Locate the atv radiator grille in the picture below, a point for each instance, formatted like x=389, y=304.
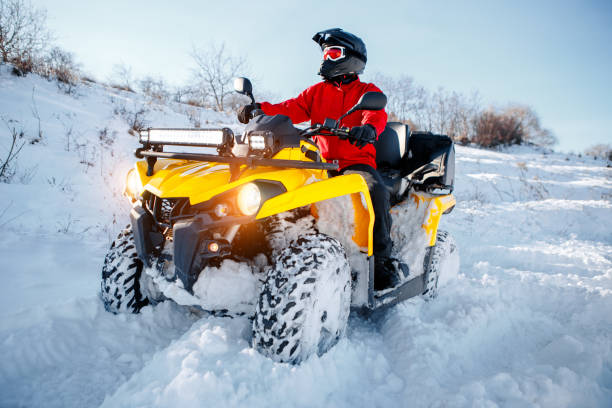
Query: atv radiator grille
x=161, y=209
x=165, y=210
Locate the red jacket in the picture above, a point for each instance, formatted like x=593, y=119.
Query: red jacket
x=327, y=100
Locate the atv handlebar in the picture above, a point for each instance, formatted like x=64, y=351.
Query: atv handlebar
x=324, y=129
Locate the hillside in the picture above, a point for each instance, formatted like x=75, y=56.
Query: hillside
x=526, y=323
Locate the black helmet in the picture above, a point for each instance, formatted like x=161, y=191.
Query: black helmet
x=353, y=59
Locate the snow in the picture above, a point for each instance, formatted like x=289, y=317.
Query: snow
x=232, y=286
x=526, y=322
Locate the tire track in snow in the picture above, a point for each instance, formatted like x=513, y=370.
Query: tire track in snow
x=76, y=352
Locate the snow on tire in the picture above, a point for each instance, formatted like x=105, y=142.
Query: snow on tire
x=441, y=260
x=121, y=276
x=304, y=303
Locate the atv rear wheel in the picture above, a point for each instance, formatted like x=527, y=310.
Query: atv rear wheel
x=125, y=287
x=304, y=304
x=435, y=262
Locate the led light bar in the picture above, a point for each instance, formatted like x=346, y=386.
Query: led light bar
x=188, y=137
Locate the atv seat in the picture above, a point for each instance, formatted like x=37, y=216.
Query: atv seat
x=421, y=159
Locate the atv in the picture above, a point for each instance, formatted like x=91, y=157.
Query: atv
x=254, y=225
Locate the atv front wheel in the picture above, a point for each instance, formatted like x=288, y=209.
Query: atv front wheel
x=124, y=285
x=435, y=262
x=304, y=304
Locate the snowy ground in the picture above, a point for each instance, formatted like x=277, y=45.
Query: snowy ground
x=528, y=322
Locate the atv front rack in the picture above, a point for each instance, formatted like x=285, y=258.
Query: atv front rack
x=152, y=157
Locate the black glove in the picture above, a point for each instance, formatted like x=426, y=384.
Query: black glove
x=244, y=112
x=362, y=135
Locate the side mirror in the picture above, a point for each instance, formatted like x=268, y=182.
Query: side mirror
x=371, y=101
x=243, y=86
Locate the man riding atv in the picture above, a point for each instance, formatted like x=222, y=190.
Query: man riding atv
x=344, y=58
x=254, y=225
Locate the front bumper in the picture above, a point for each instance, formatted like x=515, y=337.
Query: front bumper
x=192, y=238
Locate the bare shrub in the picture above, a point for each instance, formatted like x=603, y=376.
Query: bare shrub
x=494, y=129
x=193, y=102
x=87, y=154
x=122, y=77
x=8, y=165
x=34, y=109
x=600, y=151
x=60, y=65
x=514, y=125
x=23, y=32
x=106, y=137
x=23, y=65
x=154, y=88
x=136, y=116
x=215, y=69
x=137, y=119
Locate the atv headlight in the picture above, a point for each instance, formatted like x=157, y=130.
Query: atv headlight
x=249, y=199
x=260, y=141
x=257, y=142
x=133, y=186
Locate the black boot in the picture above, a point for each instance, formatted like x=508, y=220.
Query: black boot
x=389, y=272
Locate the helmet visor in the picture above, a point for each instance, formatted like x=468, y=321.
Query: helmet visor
x=334, y=53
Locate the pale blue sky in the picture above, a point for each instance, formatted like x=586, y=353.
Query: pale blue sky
x=555, y=56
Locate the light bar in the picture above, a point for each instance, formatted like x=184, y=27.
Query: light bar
x=188, y=137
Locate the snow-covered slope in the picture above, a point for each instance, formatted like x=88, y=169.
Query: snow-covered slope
x=527, y=322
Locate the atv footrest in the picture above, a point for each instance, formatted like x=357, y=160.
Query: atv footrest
x=408, y=289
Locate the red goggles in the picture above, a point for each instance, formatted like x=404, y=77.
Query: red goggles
x=333, y=53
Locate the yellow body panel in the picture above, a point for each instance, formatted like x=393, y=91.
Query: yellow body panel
x=201, y=181
x=339, y=186
x=364, y=222
x=435, y=207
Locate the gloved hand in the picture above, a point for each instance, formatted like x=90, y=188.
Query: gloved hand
x=362, y=135
x=244, y=112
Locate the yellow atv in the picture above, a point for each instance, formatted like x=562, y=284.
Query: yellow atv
x=253, y=225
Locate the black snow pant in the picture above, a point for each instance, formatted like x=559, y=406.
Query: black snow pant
x=380, y=201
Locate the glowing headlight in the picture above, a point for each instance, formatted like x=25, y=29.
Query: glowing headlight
x=249, y=199
x=133, y=186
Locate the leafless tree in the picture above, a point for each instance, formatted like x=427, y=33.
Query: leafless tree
x=213, y=74
x=122, y=77
x=23, y=31
x=531, y=126
x=405, y=100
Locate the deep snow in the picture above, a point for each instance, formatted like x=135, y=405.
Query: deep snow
x=526, y=323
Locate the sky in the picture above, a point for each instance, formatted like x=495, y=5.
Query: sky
x=555, y=56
